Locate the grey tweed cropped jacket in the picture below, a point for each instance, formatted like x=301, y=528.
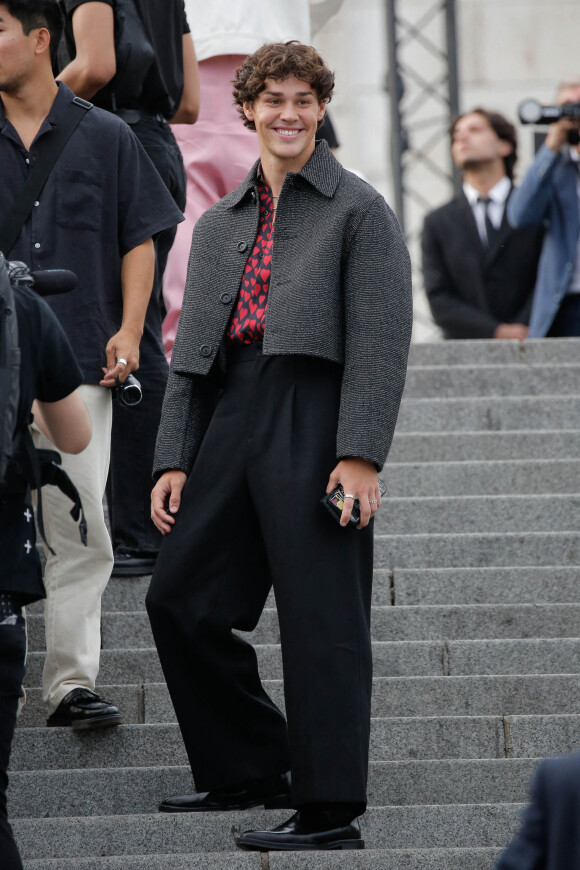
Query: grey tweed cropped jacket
x=340, y=289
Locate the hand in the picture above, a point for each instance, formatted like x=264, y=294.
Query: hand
x=511, y=330
x=167, y=494
x=558, y=133
x=359, y=478
x=124, y=345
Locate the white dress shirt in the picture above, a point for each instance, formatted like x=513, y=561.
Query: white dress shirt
x=498, y=197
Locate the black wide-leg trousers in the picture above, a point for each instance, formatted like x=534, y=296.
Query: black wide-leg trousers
x=251, y=518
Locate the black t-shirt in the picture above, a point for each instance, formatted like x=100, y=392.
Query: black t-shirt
x=48, y=372
x=165, y=22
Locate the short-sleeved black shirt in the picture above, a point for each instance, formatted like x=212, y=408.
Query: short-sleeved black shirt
x=48, y=372
x=164, y=22
x=103, y=198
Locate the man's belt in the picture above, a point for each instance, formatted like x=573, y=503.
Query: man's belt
x=133, y=116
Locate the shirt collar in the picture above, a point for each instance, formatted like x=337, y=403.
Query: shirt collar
x=498, y=193
x=57, y=111
x=322, y=171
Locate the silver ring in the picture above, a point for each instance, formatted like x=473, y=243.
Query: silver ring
x=349, y=495
x=373, y=501
x=121, y=360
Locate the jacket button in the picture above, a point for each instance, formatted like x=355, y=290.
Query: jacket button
x=242, y=246
x=226, y=298
x=205, y=350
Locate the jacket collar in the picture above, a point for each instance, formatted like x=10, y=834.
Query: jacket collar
x=322, y=172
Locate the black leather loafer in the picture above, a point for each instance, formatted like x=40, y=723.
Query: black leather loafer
x=273, y=792
x=126, y=565
x=297, y=835
x=84, y=710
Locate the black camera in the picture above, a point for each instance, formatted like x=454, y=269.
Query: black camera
x=128, y=393
x=533, y=112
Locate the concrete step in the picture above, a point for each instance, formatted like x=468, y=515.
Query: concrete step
x=477, y=478
x=477, y=550
x=391, y=659
x=378, y=859
x=469, y=514
x=412, y=738
x=489, y=413
x=131, y=790
x=468, y=446
x=392, y=697
x=443, y=382
x=445, y=586
x=554, y=351
x=484, y=825
x=432, y=622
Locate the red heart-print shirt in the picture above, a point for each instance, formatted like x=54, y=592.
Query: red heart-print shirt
x=249, y=315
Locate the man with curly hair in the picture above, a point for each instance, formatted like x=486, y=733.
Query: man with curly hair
x=285, y=382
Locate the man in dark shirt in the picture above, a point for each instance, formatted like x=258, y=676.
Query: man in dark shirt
x=48, y=372
x=170, y=91
x=479, y=272
x=96, y=216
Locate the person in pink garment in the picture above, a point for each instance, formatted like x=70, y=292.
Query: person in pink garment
x=217, y=150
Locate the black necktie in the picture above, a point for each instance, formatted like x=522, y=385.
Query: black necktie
x=490, y=230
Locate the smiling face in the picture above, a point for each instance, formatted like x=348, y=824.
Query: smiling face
x=286, y=115
x=475, y=143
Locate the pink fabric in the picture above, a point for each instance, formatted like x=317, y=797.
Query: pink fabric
x=218, y=152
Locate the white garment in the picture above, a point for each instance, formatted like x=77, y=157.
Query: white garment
x=574, y=285
x=242, y=26
x=498, y=197
x=76, y=577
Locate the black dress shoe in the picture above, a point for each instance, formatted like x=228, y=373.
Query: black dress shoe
x=127, y=565
x=272, y=792
x=84, y=710
x=301, y=833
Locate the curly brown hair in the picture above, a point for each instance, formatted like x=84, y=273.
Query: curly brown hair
x=279, y=61
x=502, y=128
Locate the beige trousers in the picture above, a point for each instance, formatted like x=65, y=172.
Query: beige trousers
x=76, y=577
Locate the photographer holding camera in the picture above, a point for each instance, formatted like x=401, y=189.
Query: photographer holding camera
x=550, y=196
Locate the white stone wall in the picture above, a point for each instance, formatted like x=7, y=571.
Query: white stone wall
x=508, y=50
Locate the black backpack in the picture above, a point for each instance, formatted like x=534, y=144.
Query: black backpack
x=21, y=464
x=133, y=52
x=9, y=369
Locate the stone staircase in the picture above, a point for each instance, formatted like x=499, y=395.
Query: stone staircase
x=476, y=629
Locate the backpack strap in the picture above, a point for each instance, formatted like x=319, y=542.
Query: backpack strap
x=15, y=220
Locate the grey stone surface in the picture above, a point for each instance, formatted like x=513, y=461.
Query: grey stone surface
x=202, y=861
x=130, y=790
x=491, y=380
x=476, y=478
x=528, y=585
x=529, y=656
x=437, y=737
x=392, y=859
x=477, y=550
x=483, y=825
x=489, y=413
x=472, y=514
x=489, y=352
x=533, y=736
x=469, y=446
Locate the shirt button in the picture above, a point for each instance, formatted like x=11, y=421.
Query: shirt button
x=242, y=246
x=226, y=298
x=37, y=244
x=205, y=350
x=37, y=203
x=27, y=160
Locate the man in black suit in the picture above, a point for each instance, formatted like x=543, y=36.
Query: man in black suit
x=550, y=832
x=479, y=272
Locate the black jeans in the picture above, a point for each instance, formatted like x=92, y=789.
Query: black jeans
x=135, y=429
x=251, y=518
x=12, y=655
